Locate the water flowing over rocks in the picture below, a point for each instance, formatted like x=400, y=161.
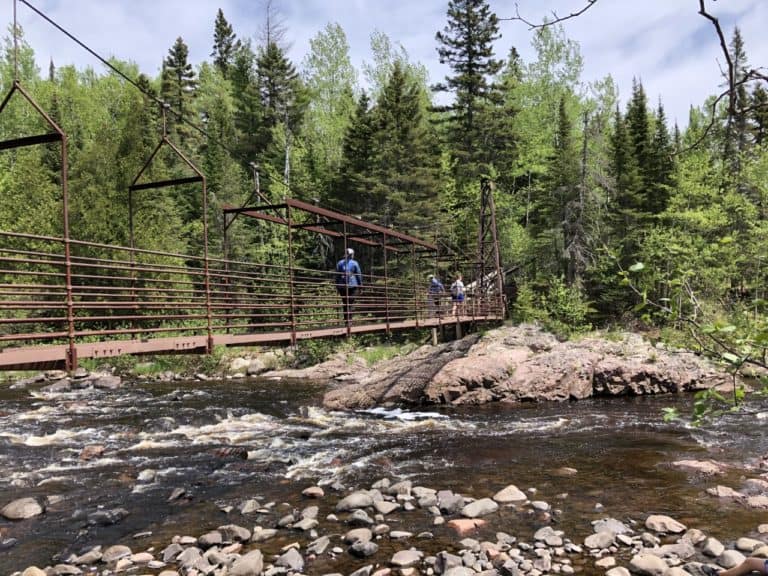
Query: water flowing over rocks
x=521, y=364
x=665, y=548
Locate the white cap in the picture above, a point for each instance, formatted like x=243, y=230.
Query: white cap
x=350, y=252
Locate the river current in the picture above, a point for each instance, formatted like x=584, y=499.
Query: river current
x=171, y=460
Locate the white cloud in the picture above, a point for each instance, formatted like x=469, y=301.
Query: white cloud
x=667, y=44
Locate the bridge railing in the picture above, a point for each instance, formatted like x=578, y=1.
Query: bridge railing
x=173, y=301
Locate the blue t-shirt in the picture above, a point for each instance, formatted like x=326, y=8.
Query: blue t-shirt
x=348, y=273
x=435, y=286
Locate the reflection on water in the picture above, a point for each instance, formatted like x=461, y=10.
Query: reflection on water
x=160, y=437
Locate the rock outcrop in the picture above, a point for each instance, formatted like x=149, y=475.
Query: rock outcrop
x=524, y=364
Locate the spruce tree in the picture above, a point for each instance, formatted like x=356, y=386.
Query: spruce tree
x=639, y=132
x=662, y=171
x=759, y=115
x=225, y=44
x=466, y=45
x=177, y=86
x=349, y=191
x=627, y=183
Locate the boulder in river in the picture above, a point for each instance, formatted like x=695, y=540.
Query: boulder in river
x=21, y=509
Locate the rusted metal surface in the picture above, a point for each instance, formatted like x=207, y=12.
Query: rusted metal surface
x=121, y=300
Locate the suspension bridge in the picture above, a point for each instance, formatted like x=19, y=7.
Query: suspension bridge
x=63, y=299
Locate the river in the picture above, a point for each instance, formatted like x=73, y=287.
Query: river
x=621, y=450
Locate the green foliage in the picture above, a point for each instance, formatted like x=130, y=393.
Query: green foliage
x=560, y=308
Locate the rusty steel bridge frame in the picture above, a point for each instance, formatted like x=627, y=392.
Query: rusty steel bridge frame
x=63, y=299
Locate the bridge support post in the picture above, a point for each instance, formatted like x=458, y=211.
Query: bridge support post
x=434, y=336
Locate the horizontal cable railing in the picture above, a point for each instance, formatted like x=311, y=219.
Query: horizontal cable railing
x=119, y=293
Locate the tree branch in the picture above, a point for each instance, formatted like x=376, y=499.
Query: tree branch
x=532, y=26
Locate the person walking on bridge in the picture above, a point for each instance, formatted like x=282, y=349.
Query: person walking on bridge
x=349, y=279
x=435, y=292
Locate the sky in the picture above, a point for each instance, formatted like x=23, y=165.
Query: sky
x=666, y=44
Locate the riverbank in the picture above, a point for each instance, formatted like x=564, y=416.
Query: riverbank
x=364, y=529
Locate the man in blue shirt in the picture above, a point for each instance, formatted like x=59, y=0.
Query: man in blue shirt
x=349, y=279
x=436, y=291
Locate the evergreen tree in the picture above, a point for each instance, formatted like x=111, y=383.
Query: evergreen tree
x=662, y=167
x=283, y=103
x=466, y=45
x=402, y=178
x=248, y=108
x=225, y=44
x=626, y=184
x=358, y=151
x=177, y=87
x=639, y=132
x=736, y=122
x=759, y=115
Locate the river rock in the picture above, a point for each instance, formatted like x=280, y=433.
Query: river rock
x=319, y=545
x=478, y=508
x=510, y=494
x=618, y=571
x=611, y=525
x=708, y=467
x=730, y=558
x=406, y=558
x=21, y=509
x=107, y=382
x=364, y=534
x=115, y=553
x=33, y=571
x=712, y=547
x=600, y=540
x=292, y=560
x=757, y=501
x=463, y=526
x=250, y=564
x=748, y=544
x=549, y=536
x=262, y=534
x=505, y=365
x=647, y=565
x=363, y=549
x=359, y=499
x=234, y=533
x=449, y=503
x=384, y=507
x=313, y=492
x=665, y=524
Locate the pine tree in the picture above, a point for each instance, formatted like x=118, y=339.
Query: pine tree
x=283, y=103
x=248, y=108
x=356, y=163
x=627, y=183
x=662, y=180
x=759, y=115
x=736, y=123
x=177, y=87
x=639, y=131
x=225, y=44
x=466, y=45
x=401, y=181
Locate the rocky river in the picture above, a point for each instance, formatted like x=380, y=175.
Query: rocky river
x=139, y=478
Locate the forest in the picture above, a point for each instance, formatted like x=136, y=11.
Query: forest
x=607, y=215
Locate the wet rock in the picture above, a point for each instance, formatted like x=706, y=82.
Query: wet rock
x=549, y=536
x=359, y=518
x=460, y=571
x=647, y=565
x=262, y=534
x=33, y=571
x=292, y=560
x=90, y=557
x=249, y=506
x=176, y=494
x=142, y=558
x=313, y=492
x=115, y=553
x=66, y=570
x=63, y=385
x=708, y=467
x=665, y=524
x=306, y=524
x=107, y=517
x=234, y=533
x=7, y=543
x=172, y=551
x=463, y=526
x=358, y=534
x=209, y=539
x=107, y=382
x=364, y=571
x=600, y=540
x=510, y=494
x=256, y=367
x=21, y=509
x=363, y=549
x=611, y=525
x=449, y=503
x=748, y=544
x=319, y=545
x=757, y=502
x=251, y=564
x=92, y=451
x=618, y=571
x=359, y=499
x=478, y=508
x=400, y=534
x=406, y=558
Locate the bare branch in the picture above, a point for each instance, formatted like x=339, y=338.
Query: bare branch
x=532, y=26
x=724, y=47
